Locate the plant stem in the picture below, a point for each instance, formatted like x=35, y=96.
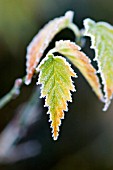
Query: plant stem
x=75, y=29
x=13, y=93
x=78, y=33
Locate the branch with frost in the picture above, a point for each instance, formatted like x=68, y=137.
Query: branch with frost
x=37, y=47
x=55, y=72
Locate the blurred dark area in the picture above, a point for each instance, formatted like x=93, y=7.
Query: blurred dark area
x=86, y=134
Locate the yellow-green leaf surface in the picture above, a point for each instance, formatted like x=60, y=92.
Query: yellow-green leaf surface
x=82, y=62
x=41, y=41
x=55, y=77
x=101, y=34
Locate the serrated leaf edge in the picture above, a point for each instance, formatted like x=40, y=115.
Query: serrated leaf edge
x=42, y=86
x=58, y=45
x=86, y=33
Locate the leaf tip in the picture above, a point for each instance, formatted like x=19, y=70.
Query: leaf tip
x=88, y=22
x=69, y=14
x=55, y=136
x=55, y=132
x=106, y=106
x=27, y=80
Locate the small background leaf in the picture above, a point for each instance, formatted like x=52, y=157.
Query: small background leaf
x=101, y=34
x=55, y=77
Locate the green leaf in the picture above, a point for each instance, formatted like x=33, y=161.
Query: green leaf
x=101, y=34
x=55, y=77
x=82, y=62
x=41, y=41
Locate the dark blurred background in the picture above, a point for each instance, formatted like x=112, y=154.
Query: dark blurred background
x=86, y=135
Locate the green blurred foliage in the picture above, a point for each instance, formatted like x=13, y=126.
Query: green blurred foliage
x=17, y=18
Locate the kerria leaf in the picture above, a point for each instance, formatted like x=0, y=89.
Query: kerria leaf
x=41, y=41
x=101, y=34
x=82, y=62
x=55, y=77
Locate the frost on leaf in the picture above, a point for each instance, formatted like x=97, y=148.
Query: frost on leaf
x=41, y=41
x=101, y=34
x=55, y=77
x=82, y=62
